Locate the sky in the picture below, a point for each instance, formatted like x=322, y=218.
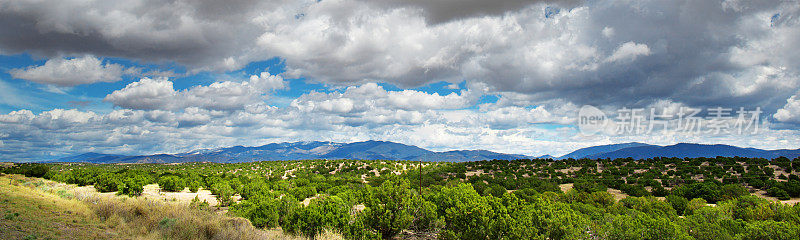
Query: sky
x=151, y=76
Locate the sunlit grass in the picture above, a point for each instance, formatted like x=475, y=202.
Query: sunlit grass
x=40, y=209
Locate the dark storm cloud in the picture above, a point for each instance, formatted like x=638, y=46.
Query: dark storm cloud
x=442, y=11
x=200, y=34
x=699, y=53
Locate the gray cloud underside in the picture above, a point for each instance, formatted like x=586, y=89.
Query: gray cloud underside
x=700, y=53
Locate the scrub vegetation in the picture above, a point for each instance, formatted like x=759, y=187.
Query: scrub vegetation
x=662, y=198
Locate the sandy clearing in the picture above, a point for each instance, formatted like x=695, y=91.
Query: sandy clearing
x=474, y=173
x=763, y=194
x=614, y=192
x=307, y=201
x=152, y=191
x=618, y=195
x=565, y=187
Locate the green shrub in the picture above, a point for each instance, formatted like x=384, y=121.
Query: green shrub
x=778, y=193
x=389, y=207
x=695, y=204
x=223, y=192
x=770, y=230
x=107, y=183
x=678, y=203
x=326, y=212
x=588, y=186
x=171, y=184
x=643, y=226
x=193, y=186
x=262, y=212
x=132, y=186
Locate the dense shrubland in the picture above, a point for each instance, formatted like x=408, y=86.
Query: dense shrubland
x=668, y=198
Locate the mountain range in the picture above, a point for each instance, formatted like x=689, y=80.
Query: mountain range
x=681, y=150
x=383, y=150
x=368, y=150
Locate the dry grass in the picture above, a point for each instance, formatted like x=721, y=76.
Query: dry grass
x=155, y=219
x=91, y=215
x=29, y=212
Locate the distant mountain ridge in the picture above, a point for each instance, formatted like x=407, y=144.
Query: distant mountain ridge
x=681, y=150
x=368, y=150
x=383, y=150
x=588, y=151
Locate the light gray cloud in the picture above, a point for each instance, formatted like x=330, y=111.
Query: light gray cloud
x=601, y=52
x=791, y=111
x=201, y=34
x=369, y=96
x=628, y=51
x=159, y=93
x=75, y=71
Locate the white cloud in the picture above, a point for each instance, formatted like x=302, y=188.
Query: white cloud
x=608, y=32
x=791, y=111
x=62, y=119
x=159, y=93
x=374, y=103
x=628, y=51
x=147, y=93
x=70, y=72
x=19, y=116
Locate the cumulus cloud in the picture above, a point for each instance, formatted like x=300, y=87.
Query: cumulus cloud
x=147, y=93
x=70, y=72
x=628, y=51
x=17, y=117
x=791, y=111
x=159, y=93
x=496, y=126
x=585, y=52
x=62, y=119
x=370, y=96
x=202, y=34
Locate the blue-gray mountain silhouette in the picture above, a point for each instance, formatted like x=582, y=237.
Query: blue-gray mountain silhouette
x=383, y=150
x=680, y=150
x=368, y=150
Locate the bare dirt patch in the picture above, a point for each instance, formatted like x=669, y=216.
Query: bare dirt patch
x=763, y=194
x=565, y=187
x=152, y=191
x=618, y=195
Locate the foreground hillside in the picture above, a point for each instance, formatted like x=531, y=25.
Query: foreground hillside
x=663, y=198
x=35, y=208
x=31, y=214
